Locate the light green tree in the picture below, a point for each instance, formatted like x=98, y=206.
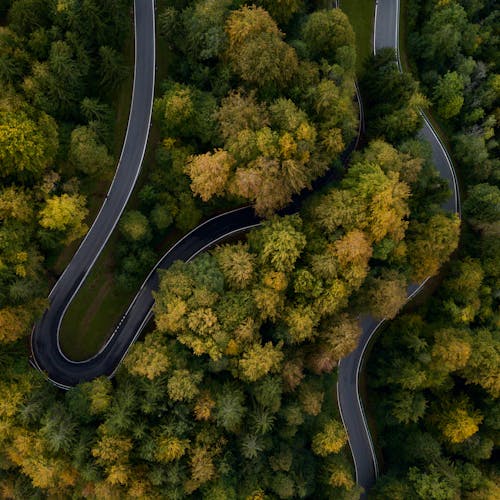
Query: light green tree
x=279, y=243
x=259, y=360
x=256, y=49
x=448, y=94
x=65, y=214
x=431, y=243
x=237, y=264
x=27, y=146
x=183, y=385
x=135, y=226
x=87, y=154
x=325, y=31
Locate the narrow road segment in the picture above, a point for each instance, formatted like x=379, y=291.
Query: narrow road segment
x=386, y=34
x=46, y=354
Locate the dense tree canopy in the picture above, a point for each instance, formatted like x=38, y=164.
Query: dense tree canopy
x=328, y=35
x=392, y=99
x=434, y=373
x=455, y=49
x=65, y=214
x=28, y=143
x=256, y=50
x=54, y=121
x=231, y=395
x=86, y=152
x=281, y=118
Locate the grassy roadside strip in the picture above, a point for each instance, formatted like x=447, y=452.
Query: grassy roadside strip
x=360, y=14
x=82, y=326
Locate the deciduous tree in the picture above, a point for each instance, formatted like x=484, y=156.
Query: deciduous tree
x=149, y=358
x=209, y=173
x=458, y=421
x=237, y=264
x=87, y=154
x=386, y=294
x=259, y=360
x=282, y=10
x=256, y=50
x=65, y=214
x=279, y=243
x=183, y=385
x=448, y=95
x=331, y=439
x=431, y=243
x=135, y=226
x=325, y=31
x=14, y=323
x=27, y=146
x=482, y=208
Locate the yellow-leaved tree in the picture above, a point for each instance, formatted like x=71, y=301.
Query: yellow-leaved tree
x=65, y=215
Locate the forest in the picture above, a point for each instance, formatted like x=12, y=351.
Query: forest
x=434, y=374
x=231, y=392
x=58, y=70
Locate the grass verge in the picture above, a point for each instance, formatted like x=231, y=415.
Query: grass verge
x=360, y=14
x=92, y=312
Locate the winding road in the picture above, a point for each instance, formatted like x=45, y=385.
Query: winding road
x=47, y=355
x=385, y=34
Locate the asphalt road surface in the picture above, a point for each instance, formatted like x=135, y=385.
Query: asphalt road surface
x=386, y=33
x=46, y=353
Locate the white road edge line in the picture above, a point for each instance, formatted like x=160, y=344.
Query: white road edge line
x=111, y=186
x=457, y=210
x=153, y=270
x=119, y=161
x=112, y=183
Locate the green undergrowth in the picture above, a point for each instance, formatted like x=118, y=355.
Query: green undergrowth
x=360, y=13
x=91, y=316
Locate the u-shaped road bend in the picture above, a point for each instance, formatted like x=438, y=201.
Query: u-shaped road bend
x=61, y=371
x=46, y=354
x=385, y=34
